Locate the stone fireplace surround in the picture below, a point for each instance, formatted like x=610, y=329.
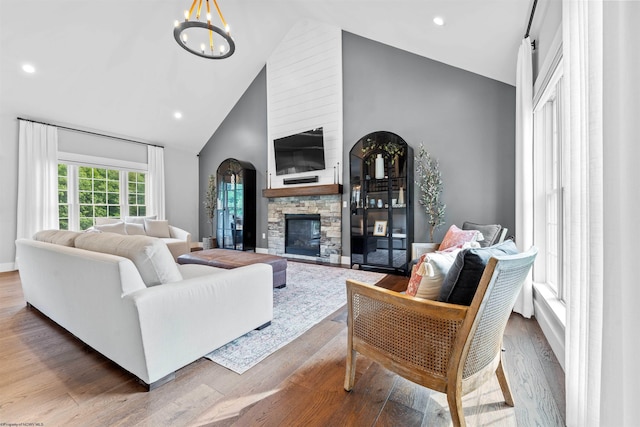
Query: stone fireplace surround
x=329, y=208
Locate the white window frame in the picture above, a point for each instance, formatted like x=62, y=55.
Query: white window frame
x=550, y=310
x=74, y=160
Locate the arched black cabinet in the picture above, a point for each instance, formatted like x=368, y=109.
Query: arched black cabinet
x=381, y=179
x=236, y=219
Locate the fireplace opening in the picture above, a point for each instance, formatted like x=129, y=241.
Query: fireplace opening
x=302, y=234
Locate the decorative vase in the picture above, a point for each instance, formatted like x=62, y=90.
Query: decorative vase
x=379, y=167
x=401, y=197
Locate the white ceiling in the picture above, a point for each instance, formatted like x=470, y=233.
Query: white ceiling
x=112, y=66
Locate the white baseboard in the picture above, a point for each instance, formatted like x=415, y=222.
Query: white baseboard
x=7, y=266
x=550, y=314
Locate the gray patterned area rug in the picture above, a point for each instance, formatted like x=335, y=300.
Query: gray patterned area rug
x=313, y=292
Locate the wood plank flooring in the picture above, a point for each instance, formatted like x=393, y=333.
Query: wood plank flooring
x=47, y=376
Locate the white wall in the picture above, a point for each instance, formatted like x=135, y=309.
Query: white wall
x=181, y=188
x=181, y=175
x=304, y=91
x=9, y=188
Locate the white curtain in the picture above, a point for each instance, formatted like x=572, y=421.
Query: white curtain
x=524, y=167
x=155, y=182
x=37, y=178
x=582, y=23
x=620, y=369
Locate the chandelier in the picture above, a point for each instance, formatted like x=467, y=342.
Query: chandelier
x=213, y=43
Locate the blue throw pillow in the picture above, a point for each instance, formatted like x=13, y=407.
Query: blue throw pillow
x=460, y=284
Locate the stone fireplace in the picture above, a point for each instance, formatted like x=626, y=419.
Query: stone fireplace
x=327, y=208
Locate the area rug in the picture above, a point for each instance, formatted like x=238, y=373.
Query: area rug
x=312, y=293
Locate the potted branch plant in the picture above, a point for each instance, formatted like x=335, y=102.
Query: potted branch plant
x=210, y=202
x=429, y=181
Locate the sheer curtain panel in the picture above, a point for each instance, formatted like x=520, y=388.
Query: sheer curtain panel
x=582, y=25
x=155, y=181
x=37, y=178
x=524, y=167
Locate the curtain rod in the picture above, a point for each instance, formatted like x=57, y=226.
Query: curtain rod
x=90, y=133
x=533, y=11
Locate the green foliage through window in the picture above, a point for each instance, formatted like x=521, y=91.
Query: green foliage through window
x=63, y=197
x=98, y=194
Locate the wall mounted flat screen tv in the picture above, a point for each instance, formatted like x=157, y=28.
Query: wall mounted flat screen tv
x=302, y=152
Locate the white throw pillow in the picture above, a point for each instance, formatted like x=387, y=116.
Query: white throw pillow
x=157, y=228
x=117, y=228
x=151, y=256
x=433, y=271
x=134, y=229
x=138, y=219
x=106, y=220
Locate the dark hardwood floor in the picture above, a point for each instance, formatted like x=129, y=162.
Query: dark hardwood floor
x=47, y=376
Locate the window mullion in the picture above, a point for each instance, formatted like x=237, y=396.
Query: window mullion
x=73, y=197
x=124, y=194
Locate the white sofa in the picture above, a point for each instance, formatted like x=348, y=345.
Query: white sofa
x=178, y=240
x=144, y=312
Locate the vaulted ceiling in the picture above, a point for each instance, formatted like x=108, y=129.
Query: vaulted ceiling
x=113, y=66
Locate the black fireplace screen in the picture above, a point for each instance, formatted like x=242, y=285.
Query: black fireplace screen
x=302, y=234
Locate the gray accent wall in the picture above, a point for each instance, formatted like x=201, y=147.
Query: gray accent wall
x=243, y=136
x=467, y=121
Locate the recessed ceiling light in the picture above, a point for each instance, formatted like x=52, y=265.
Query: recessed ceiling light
x=439, y=21
x=28, y=68
x=177, y=115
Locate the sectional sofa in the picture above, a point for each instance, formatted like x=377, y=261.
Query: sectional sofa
x=125, y=297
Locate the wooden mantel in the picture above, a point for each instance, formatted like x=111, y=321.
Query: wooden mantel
x=309, y=190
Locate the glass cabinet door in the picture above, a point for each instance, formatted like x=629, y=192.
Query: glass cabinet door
x=236, y=191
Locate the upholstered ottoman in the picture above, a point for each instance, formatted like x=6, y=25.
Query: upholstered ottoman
x=227, y=258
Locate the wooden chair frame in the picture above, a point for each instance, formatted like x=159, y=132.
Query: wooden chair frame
x=449, y=348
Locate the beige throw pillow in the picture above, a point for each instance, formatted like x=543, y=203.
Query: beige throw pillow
x=58, y=237
x=157, y=228
x=151, y=256
x=134, y=229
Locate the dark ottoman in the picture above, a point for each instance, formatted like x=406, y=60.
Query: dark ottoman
x=227, y=258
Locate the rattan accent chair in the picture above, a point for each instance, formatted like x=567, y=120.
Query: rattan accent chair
x=449, y=348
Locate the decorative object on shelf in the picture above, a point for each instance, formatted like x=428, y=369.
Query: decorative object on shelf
x=380, y=228
x=379, y=167
x=389, y=148
x=210, y=202
x=380, y=203
x=401, y=197
x=429, y=180
x=215, y=42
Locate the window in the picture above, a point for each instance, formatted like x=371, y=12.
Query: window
x=136, y=194
x=86, y=193
x=548, y=186
x=63, y=197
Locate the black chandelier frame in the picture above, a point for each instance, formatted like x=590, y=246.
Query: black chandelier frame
x=183, y=26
